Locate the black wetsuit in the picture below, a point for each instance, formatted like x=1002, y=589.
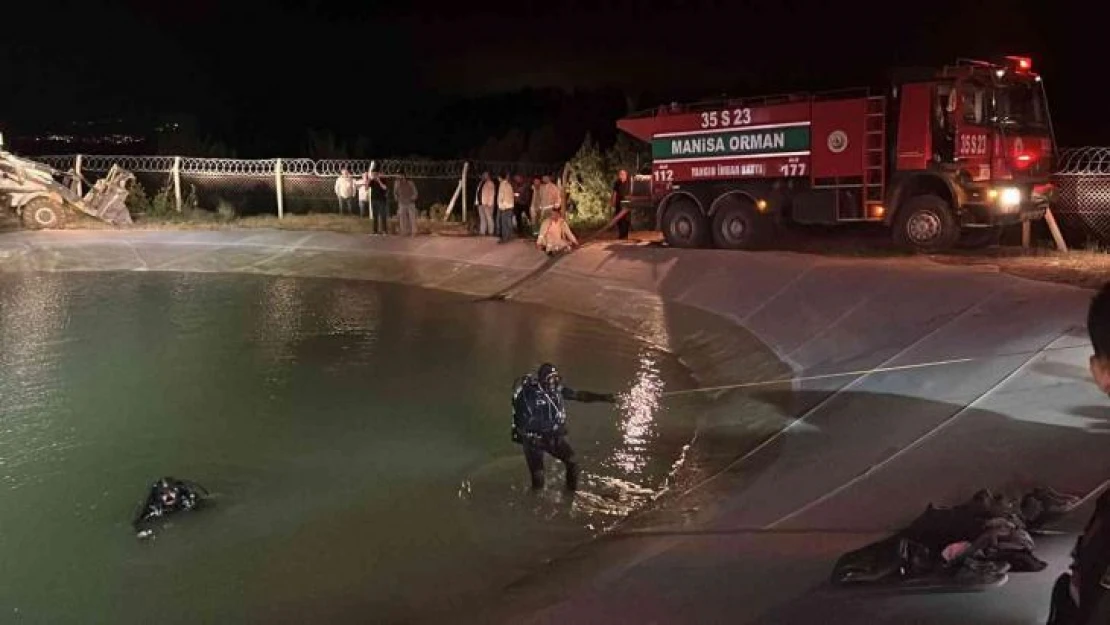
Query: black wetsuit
x=1088, y=576
x=185, y=496
x=540, y=426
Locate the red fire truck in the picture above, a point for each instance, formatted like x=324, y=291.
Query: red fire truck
x=944, y=158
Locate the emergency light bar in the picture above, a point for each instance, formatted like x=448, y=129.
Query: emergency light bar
x=1021, y=63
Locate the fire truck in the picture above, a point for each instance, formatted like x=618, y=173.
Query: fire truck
x=943, y=158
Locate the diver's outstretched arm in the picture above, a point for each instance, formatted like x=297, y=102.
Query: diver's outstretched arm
x=142, y=515
x=193, y=486
x=587, y=396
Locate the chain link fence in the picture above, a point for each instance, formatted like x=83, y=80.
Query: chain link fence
x=1082, y=206
x=250, y=187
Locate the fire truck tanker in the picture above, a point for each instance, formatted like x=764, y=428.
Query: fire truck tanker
x=945, y=158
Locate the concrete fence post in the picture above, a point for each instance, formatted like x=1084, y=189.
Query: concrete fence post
x=177, y=182
x=459, y=190
x=77, y=170
x=277, y=186
x=1057, y=236
x=465, y=195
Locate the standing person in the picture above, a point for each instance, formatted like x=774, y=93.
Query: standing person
x=505, y=203
x=551, y=196
x=621, y=190
x=523, y=199
x=1081, y=596
x=534, y=205
x=345, y=191
x=405, y=192
x=379, y=203
x=540, y=421
x=487, y=197
x=363, y=185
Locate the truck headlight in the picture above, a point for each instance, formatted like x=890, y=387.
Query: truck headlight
x=1009, y=197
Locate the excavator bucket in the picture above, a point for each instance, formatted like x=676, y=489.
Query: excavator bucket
x=107, y=199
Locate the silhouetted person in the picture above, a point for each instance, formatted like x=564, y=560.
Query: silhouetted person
x=1081, y=596
x=621, y=191
x=168, y=496
x=540, y=421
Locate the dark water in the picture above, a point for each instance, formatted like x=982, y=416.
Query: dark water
x=355, y=436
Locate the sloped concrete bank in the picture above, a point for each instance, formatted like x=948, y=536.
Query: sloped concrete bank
x=907, y=382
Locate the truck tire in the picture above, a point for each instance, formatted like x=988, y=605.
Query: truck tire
x=41, y=213
x=684, y=225
x=926, y=224
x=737, y=225
x=978, y=238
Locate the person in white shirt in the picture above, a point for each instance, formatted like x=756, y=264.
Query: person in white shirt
x=506, y=200
x=556, y=236
x=487, y=197
x=551, y=197
x=345, y=191
x=363, y=184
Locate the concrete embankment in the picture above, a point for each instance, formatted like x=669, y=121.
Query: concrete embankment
x=912, y=382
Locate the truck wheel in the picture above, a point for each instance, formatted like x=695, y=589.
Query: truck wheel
x=42, y=213
x=737, y=225
x=926, y=224
x=978, y=238
x=684, y=225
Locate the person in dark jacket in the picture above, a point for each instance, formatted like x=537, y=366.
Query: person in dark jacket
x=1081, y=595
x=540, y=421
x=522, y=196
x=167, y=496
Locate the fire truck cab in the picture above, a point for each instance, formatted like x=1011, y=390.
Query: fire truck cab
x=945, y=158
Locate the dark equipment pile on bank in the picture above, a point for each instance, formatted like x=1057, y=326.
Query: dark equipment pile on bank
x=977, y=543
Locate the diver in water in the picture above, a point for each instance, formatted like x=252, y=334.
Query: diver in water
x=168, y=496
x=540, y=421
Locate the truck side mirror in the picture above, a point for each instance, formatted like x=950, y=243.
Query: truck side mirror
x=953, y=101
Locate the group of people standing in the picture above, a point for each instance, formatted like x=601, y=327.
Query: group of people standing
x=507, y=205
x=372, y=193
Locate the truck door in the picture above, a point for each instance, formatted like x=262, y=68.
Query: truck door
x=973, y=145
x=945, y=105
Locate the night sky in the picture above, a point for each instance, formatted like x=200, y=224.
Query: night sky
x=408, y=75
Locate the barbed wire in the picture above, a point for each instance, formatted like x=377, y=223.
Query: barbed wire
x=326, y=168
x=1090, y=160
x=1072, y=162
x=63, y=163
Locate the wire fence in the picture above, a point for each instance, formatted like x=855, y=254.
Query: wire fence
x=250, y=187
x=1082, y=205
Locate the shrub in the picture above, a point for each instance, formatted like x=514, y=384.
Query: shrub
x=164, y=203
x=138, y=202
x=437, y=211
x=592, y=174
x=226, y=210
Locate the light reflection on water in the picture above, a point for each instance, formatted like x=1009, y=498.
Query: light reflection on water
x=639, y=408
x=357, y=436
x=32, y=321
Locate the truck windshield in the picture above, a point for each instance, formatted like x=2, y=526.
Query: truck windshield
x=1020, y=105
